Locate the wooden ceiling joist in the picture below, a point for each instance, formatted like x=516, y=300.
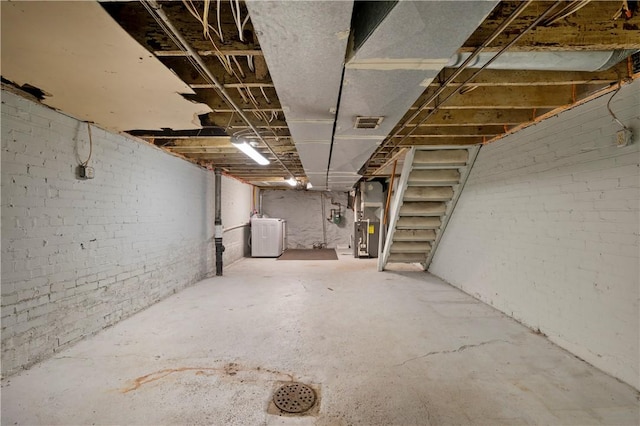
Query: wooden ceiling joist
x=446, y=131
x=493, y=103
x=590, y=28
x=490, y=77
x=474, y=117
x=507, y=97
x=221, y=52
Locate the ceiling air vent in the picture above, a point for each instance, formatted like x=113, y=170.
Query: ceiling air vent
x=368, y=122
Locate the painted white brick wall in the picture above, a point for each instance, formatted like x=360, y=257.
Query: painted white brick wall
x=303, y=212
x=236, y=213
x=546, y=230
x=78, y=256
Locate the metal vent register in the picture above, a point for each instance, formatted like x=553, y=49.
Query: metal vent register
x=367, y=122
x=294, y=398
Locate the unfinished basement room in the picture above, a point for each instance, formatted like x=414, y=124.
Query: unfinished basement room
x=333, y=213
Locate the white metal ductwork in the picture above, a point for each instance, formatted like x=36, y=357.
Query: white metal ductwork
x=389, y=71
x=304, y=45
x=403, y=47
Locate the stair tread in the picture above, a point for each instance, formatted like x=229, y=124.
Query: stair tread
x=414, y=235
x=418, y=222
x=427, y=193
x=423, y=208
x=406, y=258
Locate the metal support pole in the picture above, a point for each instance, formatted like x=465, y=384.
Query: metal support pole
x=218, y=221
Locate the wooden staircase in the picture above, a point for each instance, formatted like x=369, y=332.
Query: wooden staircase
x=429, y=186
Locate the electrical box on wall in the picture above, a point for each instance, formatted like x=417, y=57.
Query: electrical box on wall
x=623, y=137
x=85, y=172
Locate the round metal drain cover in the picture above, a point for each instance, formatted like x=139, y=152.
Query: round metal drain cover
x=294, y=398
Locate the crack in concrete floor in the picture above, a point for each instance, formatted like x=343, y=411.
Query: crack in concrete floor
x=460, y=349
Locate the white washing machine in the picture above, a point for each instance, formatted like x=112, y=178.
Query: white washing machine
x=268, y=237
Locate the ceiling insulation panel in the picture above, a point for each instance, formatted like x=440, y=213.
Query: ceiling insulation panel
x=91, y=68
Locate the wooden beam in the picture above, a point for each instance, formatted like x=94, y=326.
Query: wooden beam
x=135, y=19
x=224, y=152
x=221, y=52
x=217, y=143
x=420, y=141
x=475, y=117
x=448, y=131
x=217, y=103
x=262, y=72
x=507, y=97
x=590, y=28
x=232, y=85
x=489, y=77
x=231, y=120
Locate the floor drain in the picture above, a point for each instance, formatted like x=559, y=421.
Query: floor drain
x=294, y=398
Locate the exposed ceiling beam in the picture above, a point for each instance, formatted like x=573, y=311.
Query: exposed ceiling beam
x=507, y=97
x=461, y=130
x=425, y=140
x=264, y=101
x=590, y=28
x=491, y=77
x=233, y=85
x=222, y=52
x=230, y=119
x=475, y=117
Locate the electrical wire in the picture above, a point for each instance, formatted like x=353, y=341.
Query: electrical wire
x=205, y=18
x=235, y=12
x=609, y=107
x=220, y=34
x=238, y=65
x=258, y=113
x=253, y=98
x=85, y=163
x=194, y=11
x=226, y=129
x=571, y=8
x=226, y=63
x=244, y=99
x=266, y=98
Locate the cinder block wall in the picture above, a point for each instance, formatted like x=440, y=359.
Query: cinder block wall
x=78, y=256
x=546, y=230
x=303, y=212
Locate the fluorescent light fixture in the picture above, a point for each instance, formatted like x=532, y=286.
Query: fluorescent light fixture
x=292, y=181
x=251, y=152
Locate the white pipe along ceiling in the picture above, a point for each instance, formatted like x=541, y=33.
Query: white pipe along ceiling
x=323, y=88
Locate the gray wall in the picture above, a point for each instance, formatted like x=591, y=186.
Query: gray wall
x=546, y=230
x=303, y=212
x=78, y=256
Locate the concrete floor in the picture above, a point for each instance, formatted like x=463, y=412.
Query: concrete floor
x=383, y=348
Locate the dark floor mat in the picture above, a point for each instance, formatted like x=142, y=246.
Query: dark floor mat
x=309, y=254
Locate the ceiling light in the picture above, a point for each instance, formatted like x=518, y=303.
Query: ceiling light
x=251, y=152
x=292, y=181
